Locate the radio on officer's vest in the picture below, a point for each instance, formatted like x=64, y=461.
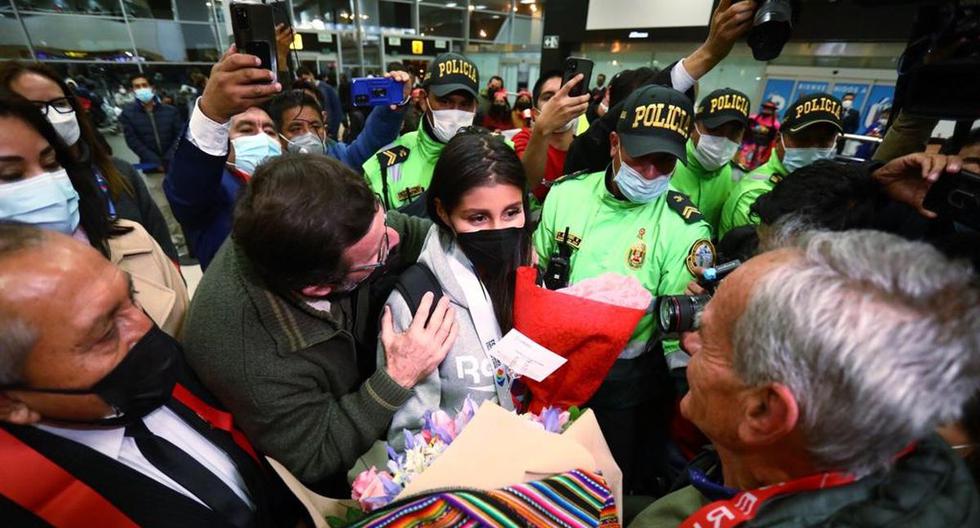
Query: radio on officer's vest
x=556, y=275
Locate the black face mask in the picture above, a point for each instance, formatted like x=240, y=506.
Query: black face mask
x=493, y=249
x=140, y=383
x=522, y=105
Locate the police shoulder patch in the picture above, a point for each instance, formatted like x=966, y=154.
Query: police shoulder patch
x=568, y=177
x=392, y=156
x=683, y=206
x=701, y=255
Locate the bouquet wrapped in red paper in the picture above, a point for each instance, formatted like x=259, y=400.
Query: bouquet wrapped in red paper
x=588, y=323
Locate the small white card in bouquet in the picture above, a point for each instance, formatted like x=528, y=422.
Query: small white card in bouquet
x=524, y=357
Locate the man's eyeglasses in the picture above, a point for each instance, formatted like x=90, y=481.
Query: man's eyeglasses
x=382, y=254
x=61, y=105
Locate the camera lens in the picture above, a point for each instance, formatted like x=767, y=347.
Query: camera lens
x=681, y=313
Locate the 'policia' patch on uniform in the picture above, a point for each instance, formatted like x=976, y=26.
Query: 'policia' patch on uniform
x=701, y=255
x=683, y=206
x=573, y=240
x=392, y=156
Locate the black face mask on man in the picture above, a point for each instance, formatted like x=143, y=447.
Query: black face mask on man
x=141, y=383
x=493, y=249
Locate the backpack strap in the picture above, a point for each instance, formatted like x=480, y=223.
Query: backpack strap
x=415, y=282
x=42, y=487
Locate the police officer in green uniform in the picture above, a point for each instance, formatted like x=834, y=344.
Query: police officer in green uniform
x=719, y=125
x=808, y=134
x=401, y=171
x=630, y=220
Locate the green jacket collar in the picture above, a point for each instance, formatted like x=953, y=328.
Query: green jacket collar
x=776, y=165
x=291, y=322
x=428, y=146
x=693, y=164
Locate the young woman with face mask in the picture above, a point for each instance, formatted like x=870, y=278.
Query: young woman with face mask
x=479, y=239
x=42, y=184
x=123, y=189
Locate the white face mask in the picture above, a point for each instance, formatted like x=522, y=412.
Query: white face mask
x=635, y=187
x=795, y=158
x=847, y=104
x=66, y=125
x=568, y=126
x=713, y=152
x=446, y=123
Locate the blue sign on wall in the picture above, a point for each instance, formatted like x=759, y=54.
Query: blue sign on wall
x=809, y=87
x=778, y=91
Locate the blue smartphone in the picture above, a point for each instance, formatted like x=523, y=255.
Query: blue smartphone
x=376, y=91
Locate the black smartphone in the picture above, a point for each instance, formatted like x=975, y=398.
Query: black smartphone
x=255, y=32
x=957, y=197
x=280, y=13
x=573, y=67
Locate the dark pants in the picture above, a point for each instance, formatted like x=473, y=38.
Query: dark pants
x=633, y=407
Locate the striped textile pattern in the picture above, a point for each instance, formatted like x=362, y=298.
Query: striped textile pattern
x=576, y=499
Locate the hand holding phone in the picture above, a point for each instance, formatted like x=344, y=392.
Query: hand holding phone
x=236, y=83
x=573, y=67
x=255, y=33
x=957, y=197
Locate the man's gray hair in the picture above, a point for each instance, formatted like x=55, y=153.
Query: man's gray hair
x=877, y=337
x=17, y=338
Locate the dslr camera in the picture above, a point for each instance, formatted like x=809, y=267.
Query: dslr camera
x=771, y=28
x=682, y=313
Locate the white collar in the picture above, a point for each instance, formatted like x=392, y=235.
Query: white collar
x=107, y=441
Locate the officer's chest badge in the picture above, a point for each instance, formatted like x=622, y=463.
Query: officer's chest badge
x=638, y=251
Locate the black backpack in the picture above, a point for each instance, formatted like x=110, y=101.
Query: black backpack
x=414, y=282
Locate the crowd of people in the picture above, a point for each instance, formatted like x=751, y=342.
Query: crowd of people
x=832, y=378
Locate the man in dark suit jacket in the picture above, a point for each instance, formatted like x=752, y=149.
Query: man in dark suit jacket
x=151, y=128
x=99, y=418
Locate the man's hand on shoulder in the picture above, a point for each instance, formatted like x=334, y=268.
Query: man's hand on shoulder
x=412, y=355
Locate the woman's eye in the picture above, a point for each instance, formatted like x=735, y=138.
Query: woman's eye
x=477, y=218
x=512, y=213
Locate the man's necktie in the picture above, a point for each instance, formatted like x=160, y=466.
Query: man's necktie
x=194, y=477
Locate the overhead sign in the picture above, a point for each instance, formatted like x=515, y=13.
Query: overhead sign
x=417, y=47
x=551, y=42
x=639, y=34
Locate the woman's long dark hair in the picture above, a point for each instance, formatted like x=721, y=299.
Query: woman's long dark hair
x=476, y=158
x=11, y=70
x=91, y=204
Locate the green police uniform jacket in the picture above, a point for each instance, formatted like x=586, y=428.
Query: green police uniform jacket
x=708, y=190
x=408, y=164
x=659, y=243
x=747, y=190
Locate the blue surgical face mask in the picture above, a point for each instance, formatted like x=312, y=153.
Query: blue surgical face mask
x=145, y=95
x=48, y=201
x=251, y=151
x=635, y=187
x=794, y=158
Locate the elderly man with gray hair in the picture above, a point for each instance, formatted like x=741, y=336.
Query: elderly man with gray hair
x=819, y=372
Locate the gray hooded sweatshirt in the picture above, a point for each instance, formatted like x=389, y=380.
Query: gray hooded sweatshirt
x=466, y=370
